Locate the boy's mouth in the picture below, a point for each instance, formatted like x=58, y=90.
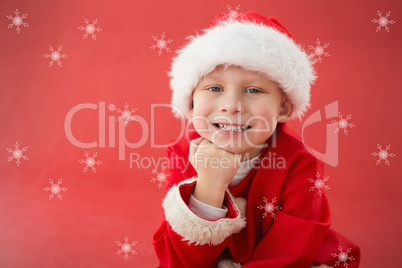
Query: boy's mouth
x=228, y=127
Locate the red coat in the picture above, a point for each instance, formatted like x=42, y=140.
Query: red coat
x=275, y=217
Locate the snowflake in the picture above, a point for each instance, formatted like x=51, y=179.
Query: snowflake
x=126, y=248
x=319, y=183
x=17, y=21
x=55, y=189
x=343, y=256
x=90, y=28
x=343, y=123
x=160, y=177
x=232, y=14
x=383, y=21
x=318, y=51
x=55, y=56
x=269, y=207
x=90, y=162
x=383, y=154
x=126, y=115
x=17, y=154
x=161, y=43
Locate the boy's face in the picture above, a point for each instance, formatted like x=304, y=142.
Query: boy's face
x=238, y=110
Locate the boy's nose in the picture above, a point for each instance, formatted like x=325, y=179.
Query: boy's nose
x=232, y=105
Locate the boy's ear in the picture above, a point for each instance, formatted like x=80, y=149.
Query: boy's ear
x=286, y=111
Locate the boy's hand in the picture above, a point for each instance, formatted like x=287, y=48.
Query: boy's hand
x=215, y=168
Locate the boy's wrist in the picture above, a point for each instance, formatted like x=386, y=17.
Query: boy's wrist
x=213, y=183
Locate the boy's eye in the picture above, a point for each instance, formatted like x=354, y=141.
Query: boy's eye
x=252, y=90
x=214, y=89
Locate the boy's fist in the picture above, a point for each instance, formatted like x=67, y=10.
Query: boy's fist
x=214, y=165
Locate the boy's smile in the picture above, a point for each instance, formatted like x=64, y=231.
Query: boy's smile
x=233, y=127
x=238, y=110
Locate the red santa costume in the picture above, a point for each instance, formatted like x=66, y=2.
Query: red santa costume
x=273, y=215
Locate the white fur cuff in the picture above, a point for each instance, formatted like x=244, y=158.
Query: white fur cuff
x=193, y=228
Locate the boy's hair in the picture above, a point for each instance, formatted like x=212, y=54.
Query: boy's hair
x=250, y=41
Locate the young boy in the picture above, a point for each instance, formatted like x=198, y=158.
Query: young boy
x=239, y=193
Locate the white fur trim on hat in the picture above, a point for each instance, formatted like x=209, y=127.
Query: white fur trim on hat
x=193, y=228
x=253, y=46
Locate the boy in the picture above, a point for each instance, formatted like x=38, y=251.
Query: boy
x=234, y=206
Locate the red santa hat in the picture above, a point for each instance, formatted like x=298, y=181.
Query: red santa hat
x=248, y=40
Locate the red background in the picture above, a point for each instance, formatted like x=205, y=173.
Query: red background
x=362, y=73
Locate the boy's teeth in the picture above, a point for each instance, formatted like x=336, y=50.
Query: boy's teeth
x=232, y=128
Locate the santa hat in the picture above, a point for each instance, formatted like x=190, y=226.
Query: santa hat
x=252, y=42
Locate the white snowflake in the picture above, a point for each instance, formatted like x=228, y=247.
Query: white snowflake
x=318, y=51
x=55, y=189
x=343, y=123
x=90, y=28
x=161, y=44
x=383, y=21
x=343, y=257
x=319, y=184
x=90, y=162
x=383, y=154
x=55, y=56
x=18, y=154
x=160, y=177
x=17, y=21
x=126, y=115
x=126, y=248
x=269, y=207
x=232, y=14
